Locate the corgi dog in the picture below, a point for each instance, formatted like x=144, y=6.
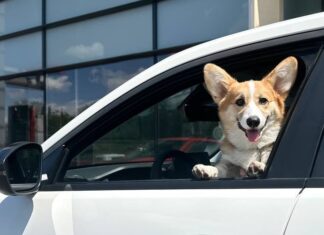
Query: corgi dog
x=251, y=114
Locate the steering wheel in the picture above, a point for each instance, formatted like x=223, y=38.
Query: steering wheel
x=182, y=164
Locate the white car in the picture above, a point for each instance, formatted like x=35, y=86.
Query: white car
x=67, y=187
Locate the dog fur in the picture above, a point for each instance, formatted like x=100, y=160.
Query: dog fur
x=251, y=114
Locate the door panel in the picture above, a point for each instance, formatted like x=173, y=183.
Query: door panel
x=221, y=211
x=307, y=217
x=47, y=213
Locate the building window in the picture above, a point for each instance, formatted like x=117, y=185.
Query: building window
x=70, y=92
x=191, y=21
x=62, y=9
x=21, y=54
x=104, y=37
x=21, y=110
x=16, y=15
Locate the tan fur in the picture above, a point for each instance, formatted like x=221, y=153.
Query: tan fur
x=242, y=149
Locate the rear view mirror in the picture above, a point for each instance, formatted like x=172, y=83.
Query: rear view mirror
x=20, y=168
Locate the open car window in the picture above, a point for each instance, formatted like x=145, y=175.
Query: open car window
x=185, y=122
x=128, y=151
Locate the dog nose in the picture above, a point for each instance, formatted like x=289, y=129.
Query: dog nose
x=253, y=121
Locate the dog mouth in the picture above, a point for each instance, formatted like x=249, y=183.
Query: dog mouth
x=253, y=134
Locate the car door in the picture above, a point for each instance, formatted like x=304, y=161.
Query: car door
x=98, y=180
x=111, y=201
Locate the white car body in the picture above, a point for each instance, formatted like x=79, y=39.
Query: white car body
x=170, y=211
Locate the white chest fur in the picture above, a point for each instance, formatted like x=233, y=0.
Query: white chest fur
x=241, y=158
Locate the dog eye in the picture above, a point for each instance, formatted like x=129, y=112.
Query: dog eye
x=240, y=102
x=263, y=101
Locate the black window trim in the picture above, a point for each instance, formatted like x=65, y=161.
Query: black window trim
x=315, y=180
x=306, y=162
x=178, y=184
x=159, y=184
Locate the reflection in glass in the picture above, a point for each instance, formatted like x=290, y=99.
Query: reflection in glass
x=128, y=151
x=212, y=19
x=103, y=37
x=21, y=110
x=24, y=165
x=21, y=54
x=127, y=142
x=12, y=15
x=72, y=91
x=174, y=126
x=62, y=9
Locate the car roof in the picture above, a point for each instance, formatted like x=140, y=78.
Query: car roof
x=280, y=29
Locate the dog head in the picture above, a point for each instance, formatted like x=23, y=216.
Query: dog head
x=251, y=112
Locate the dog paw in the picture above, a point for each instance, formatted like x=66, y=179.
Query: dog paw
x=201, y=171
x=256, y=168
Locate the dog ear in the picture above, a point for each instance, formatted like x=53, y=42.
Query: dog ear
x=217, y=81
x=283, y=76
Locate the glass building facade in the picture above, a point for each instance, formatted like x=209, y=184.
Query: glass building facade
x=58, y=57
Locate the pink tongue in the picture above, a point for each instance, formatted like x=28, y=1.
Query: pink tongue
x=252, y=135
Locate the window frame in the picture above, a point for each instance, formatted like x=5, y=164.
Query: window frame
x=285, y=43
x=316, y=180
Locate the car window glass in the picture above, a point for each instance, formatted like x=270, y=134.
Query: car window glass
x=128, y=151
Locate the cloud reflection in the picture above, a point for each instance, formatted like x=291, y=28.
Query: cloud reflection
x=94, y=51
x=60, y=83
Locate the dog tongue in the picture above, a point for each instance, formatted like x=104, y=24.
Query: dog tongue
x=252, y=135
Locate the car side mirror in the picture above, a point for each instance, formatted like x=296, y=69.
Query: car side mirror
x=20, y=168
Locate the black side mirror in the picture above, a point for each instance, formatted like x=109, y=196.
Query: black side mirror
x=20, y=168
